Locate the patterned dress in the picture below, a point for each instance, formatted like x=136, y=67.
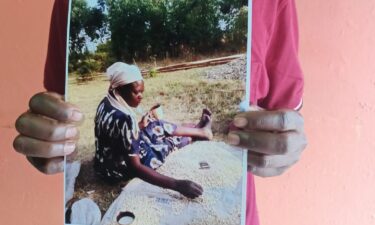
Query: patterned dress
x=115, y=144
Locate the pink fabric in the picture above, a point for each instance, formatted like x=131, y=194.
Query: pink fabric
x=251, y=209
x=277, y=80
x=276, y=76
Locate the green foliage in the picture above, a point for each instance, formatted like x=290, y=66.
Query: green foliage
x=86, y=24
x=128, y=25
x=170, y=28
x=141, y=30
x=87, y=67
x=104, y=54
x=153, y=72
x=196, y=24
x=237, y=34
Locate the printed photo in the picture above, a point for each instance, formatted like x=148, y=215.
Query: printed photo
x=159, y=82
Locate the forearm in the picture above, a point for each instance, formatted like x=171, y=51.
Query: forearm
x=151, y=176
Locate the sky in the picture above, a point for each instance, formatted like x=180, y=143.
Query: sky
x=92, y=3
x=91, y=46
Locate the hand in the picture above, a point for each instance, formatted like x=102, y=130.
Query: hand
x=189, y=188
x=145, y=120
x=48, y=132
x=274, y=139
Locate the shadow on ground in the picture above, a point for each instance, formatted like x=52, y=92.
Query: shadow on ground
x=89, y=185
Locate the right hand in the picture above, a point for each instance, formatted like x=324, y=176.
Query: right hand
x=48, y=132
x=189, y=188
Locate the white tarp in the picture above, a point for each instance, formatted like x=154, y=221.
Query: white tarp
x=222, y=183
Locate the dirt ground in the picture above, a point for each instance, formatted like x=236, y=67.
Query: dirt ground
x=182, y=94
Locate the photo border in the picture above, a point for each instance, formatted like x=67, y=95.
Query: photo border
x=245, y=102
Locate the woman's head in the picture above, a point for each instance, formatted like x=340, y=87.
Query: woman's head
x=128, y=81
x=132, y=93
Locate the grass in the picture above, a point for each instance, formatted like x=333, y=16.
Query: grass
x=182, y=94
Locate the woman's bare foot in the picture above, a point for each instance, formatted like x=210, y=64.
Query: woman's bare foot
x=202, y=122
x=207, y=112
x=207, y=123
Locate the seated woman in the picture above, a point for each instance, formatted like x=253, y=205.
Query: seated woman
x=125, y=148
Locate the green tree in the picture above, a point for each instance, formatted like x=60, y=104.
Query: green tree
x=146, y=28
x=129, y=23
x=237, y=33
x=149, y=29
x=86, y=24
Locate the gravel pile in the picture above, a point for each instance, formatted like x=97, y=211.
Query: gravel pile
x=234, y=70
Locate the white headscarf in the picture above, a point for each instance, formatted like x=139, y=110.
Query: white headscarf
x=120, y=74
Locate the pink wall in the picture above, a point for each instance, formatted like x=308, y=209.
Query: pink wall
x=27, y=196
x=334, y=182
x=331, y=185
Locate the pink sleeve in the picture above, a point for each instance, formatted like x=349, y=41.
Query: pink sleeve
x=282, y=64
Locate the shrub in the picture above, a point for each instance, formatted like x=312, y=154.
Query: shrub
x=86, y=68
x=153, y=72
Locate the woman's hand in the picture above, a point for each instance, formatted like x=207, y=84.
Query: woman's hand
x=145, y=120
x=189, y=188
x=274, y=139
x=185, y=187
x=48, y=131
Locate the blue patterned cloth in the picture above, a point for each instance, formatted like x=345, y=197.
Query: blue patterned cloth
x=115, y=143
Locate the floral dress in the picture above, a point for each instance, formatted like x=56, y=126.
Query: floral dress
x=115, y=144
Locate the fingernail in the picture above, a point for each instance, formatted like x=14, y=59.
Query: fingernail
x=76, y=116
x=233, y=139
x=71, y=132
x=240, y=122
x=69, y=148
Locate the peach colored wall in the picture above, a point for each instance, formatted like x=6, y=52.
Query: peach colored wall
x=334, y=182
x=26, y=196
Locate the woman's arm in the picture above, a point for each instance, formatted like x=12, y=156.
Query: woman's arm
x=185, y=187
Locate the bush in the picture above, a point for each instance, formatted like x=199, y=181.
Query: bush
x=238, y=29
x=86, y=68
x=153, y=72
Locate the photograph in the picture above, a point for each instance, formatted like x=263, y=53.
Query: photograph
x=159, y=82
x=185, y=112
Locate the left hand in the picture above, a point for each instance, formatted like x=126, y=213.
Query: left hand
x=145, y=120
x=274, y=139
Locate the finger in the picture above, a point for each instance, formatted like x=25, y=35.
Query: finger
x=48, y=166
x=198, y=189
x=258, y=160
x=196, y=193
x=37, y=148
x=281, y=120
x=52, y=105
x=267, y=142
x=267, y=172
x=46, y=129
